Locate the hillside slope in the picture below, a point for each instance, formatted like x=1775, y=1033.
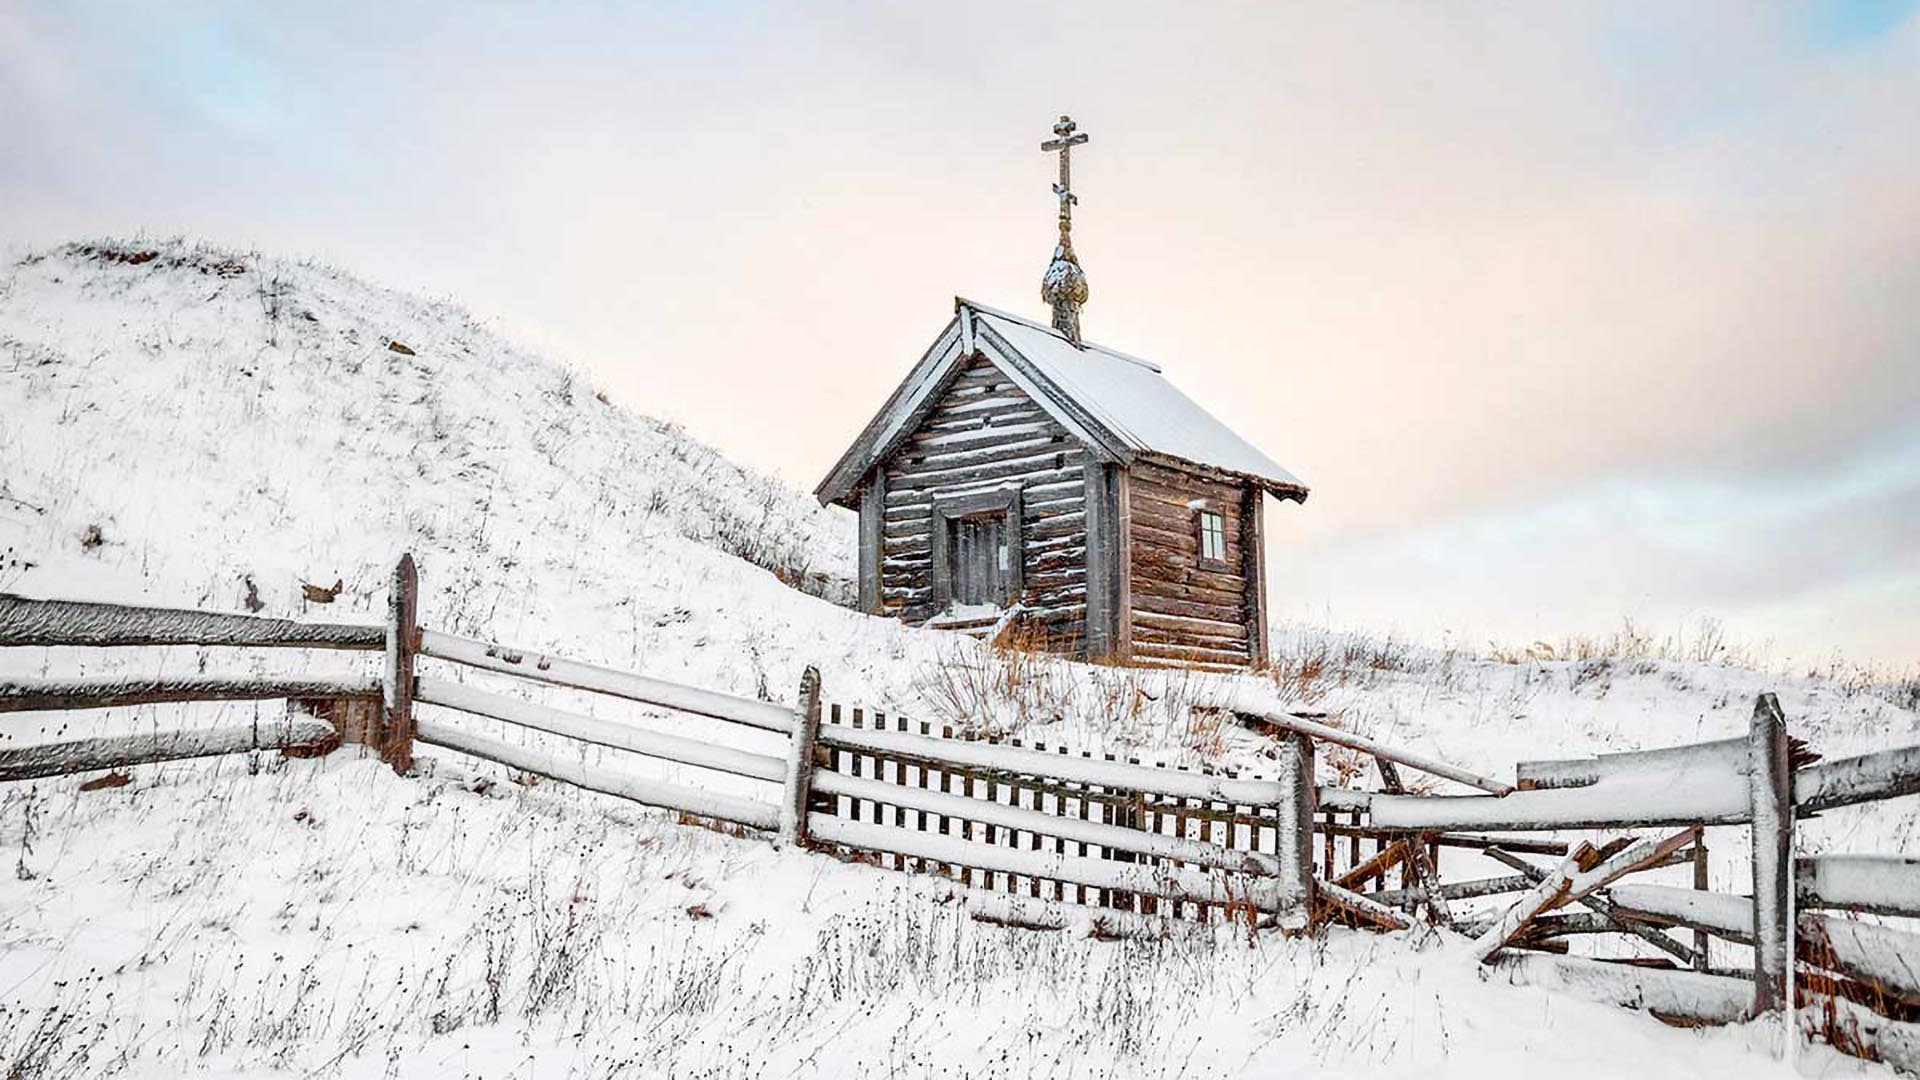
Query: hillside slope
x=186, y=425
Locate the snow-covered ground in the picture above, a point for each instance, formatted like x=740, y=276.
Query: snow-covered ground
x=209, y=428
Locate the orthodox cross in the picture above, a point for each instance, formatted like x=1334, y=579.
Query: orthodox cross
x=1064, y=142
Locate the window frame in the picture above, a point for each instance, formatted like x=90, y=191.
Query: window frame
x=1200, y=532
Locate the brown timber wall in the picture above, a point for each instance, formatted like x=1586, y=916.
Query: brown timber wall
x=985, y=433
x=1181, y=612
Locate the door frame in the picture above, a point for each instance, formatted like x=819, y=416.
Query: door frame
x=949, y=508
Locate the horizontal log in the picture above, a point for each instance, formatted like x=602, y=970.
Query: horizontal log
x=600, y=732
x=1161, y=588
x=1049, y=464
x=1885, y=774
x=33, y=761
x=1358, y=904
x=1882, y=957
x=1326, y=733
x=1020, y=761
x=555, y=671
x=1723, y=914
x=1229, y=624
x=1181, y=884
x=1691, y=995
x=1119, y=838
x=1867, y=1033
x=1724, y=754
x=1147, y=649
x=1159, y=565
x=1602, y=806
x=1458, y=890
x=70, y=622
x=915, y=460
x=688, y=800
x=35, y=695
x=943, y=424
x=1880, y=884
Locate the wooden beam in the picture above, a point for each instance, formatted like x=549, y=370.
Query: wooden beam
x=121, y=751
x=1293, y=831
x=556, y=671
x=396, y=687
x=749, y=812
x=1770, y=781
x=37, y=695
x=1879, y=884
x=25, y=621
x=873, y=508
x=797, y=798
x=620, y=736
x=1326, y=733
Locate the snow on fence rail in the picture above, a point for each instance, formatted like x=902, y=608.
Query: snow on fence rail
x=1030, y=834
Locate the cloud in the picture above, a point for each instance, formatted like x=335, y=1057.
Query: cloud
x=1449, y=262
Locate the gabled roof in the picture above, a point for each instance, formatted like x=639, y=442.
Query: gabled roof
x=1119, y=406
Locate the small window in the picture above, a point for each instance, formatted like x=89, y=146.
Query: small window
x=1213, y=538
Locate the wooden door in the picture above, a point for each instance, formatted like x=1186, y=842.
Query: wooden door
x=980, y=559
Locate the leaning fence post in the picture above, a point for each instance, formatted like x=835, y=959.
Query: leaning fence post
x=1293, y=832
x=799, y=786
x=1770, y=782
x=396, y=685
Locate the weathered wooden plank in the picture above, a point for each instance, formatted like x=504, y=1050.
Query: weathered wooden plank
x=551, y=669
x=1771, y=785
x=1358, y=904
x=34, y=695
x=1145, y=649
x=396, y=683
x=1725, y=754
x=873, y=500
x=1882, y=957
x=1691, y=995
x=1412, y=760
x=797, y=796
x=656, y=744
x=1293, y=829
x=1879, y=884
x=34, y=761
x=1885, y=774
x=749, y=812
x=25, y=621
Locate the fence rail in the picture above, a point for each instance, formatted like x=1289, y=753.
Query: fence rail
x=1028, y=833
x=79, y=623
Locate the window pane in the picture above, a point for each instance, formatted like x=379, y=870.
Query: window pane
x=1213, y=537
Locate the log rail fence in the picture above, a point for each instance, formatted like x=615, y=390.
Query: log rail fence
x=1044, y=837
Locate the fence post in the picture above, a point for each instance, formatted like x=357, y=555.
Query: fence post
x=1770, y=782
x=396, y=685
x=1293, y=832
x=799, y=786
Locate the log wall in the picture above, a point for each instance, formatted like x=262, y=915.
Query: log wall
x=984, y=433
x=1179, y=610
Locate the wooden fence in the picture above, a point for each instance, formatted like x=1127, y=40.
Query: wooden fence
x=1032, y=834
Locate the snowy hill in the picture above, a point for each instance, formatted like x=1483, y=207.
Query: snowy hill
x=186, y=425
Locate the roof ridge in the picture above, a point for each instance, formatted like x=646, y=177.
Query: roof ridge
x=961, y=301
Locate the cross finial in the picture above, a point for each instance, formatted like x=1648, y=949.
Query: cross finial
x=1064, y=286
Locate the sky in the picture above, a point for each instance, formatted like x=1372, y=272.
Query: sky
x=1568, y=313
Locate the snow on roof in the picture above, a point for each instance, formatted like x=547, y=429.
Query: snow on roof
x=1132, y=399
x=1118, y=405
